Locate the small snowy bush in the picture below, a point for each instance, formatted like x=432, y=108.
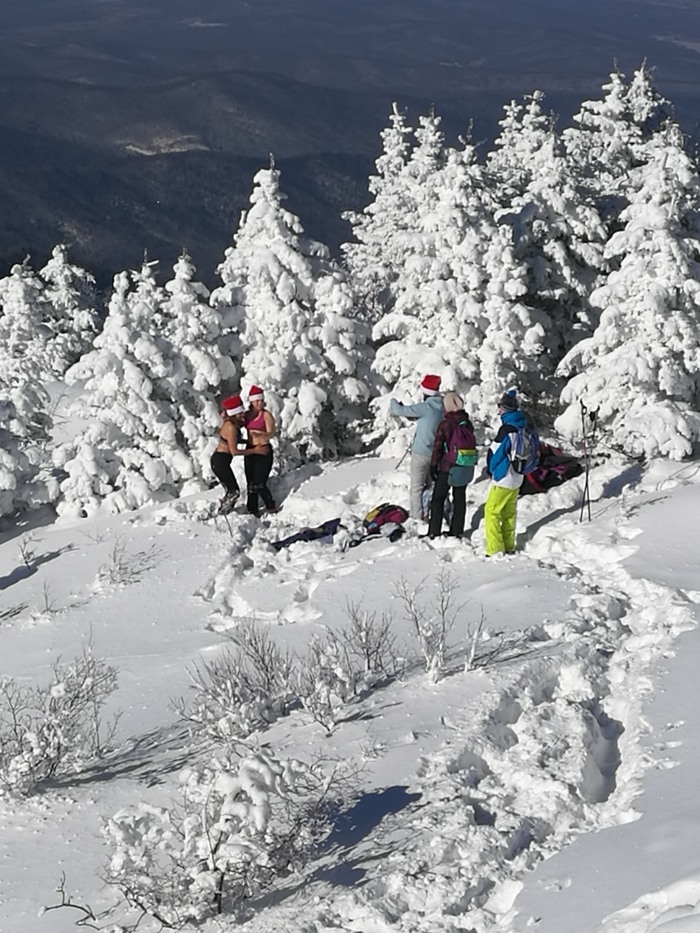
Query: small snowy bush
x=432, y=622
x=243, y=691
x=239, y=826
x=53, y=730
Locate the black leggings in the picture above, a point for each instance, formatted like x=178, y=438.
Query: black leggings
x=437, y=507
x=221, y=468
x=257, y=471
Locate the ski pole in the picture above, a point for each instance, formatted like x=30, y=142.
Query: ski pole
x=403, y=458
x=588, y=442
x=586, y=496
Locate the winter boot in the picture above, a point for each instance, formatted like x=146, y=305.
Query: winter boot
x=228, y=503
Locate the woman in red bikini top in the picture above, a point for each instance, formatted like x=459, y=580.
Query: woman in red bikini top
x=260, y=426
x=259, y=422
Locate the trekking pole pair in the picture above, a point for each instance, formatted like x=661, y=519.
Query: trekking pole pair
x=589, y=423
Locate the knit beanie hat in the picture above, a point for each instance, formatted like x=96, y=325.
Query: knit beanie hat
x=509, y=401
x=233, y=405
x=453, y=402
x=431, y=385
x=256, y=394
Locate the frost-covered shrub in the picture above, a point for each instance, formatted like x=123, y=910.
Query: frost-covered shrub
x=240, y=691
x=431, y=618
x=50, y=731
x=243, y=691
x=239, y=826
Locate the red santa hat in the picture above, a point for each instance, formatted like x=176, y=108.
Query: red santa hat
x=431, y=385
x=256, y=394
x=233, y=405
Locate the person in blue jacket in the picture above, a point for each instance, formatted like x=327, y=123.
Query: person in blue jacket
x=500, y=511
x=428, y=415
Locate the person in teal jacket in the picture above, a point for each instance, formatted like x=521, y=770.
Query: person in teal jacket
x=500, y=512
x=428, y=415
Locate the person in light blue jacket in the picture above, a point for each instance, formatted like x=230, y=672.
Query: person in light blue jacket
x=428, y=415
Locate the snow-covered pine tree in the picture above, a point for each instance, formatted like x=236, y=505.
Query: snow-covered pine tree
x=69, y=299
x=374, y=261
x=557, y=234
x=348, y=379
x=144, y=430
x=609, y=138
x=200, y=371
x=437, y=321
x=640, y=367
x=274, y=279
x=25, y=337
x=24, y=433
x=25, y=342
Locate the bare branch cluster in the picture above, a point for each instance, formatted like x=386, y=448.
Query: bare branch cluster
x=124, y=567
x=245, y=690
x=431, y=618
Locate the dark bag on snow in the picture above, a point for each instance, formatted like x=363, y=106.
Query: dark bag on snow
x=384, y=514
x=554, y=468
x=323, y=533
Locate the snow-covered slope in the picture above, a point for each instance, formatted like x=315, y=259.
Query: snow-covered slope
x=568, y=749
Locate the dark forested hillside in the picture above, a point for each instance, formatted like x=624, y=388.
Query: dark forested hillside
x=137, y=124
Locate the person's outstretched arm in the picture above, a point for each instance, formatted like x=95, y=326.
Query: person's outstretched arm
x=409, y=411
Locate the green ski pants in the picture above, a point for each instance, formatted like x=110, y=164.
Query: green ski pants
x=499, y=519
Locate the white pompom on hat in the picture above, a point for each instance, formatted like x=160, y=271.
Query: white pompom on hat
x=233, y=405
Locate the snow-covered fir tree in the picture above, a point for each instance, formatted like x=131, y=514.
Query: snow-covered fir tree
x=437, y=321
x=25, y=337
x=374, y=261
x=610, y=136
x=200, y=371
x=24, y=435
x=557, y=233
x=640, y=367
x=148, y=397
x=277, y=283
x=69, y=299
x=25, y=367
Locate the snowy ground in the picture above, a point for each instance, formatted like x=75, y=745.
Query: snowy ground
x=553, y=788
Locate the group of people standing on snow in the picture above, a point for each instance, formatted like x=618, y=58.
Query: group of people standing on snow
x=444, y=451
x=259, y=426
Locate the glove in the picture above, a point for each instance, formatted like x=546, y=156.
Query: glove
x=434, y=471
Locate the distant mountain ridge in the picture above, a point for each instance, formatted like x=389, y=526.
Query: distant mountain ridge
x=128, y=125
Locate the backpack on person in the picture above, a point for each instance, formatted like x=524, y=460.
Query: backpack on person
x=461, y=450
x=524, y=450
